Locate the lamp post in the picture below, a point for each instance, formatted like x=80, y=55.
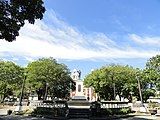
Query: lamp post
x=142, y=107
x=19, y=106
x=114, y=86
x=70, y=89
x=140, y=92
x=114, y=91
x=98, y=95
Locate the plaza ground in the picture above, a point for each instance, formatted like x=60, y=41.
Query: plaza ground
x=143, y=117
x=136, y=116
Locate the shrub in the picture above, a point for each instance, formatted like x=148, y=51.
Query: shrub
x=152, y=105
x=115, y=111
x=125, y=110
x=50, y=112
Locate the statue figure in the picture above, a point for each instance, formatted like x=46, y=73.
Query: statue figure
x=76, y=74
x=79, y=74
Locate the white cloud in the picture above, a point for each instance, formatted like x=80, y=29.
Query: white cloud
x=59, y=40
x=152, y=41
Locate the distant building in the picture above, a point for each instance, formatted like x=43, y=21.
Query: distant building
x=80, y=89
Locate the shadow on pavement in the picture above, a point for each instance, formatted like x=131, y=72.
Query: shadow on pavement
x=13, y=117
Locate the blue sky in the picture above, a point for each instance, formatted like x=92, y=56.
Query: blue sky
x=88, y=34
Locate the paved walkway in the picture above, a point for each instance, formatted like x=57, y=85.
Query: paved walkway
x=36, y=118
x=3, y=113
x=21, y=118
x=141, y=118
x=5, y=109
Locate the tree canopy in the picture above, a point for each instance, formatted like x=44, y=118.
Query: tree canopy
x=46, y=75
x=152, y=71
x=46, y=72
x=113, y=80
x=14, y=13
x=11, y=77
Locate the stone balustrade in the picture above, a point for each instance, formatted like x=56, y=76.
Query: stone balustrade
x=114, y=104
x=48, y=104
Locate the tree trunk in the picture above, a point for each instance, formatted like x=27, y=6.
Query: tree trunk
x=39, y=96
x=120, y=97
x=40, y=93
x=3, y=98
x=130, y=98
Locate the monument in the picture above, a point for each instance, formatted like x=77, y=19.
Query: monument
x=78, y=93
x=81, y=91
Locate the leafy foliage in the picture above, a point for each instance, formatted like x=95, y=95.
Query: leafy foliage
x=11, y=76
x=47, y=71
x=120, y=78
x=122, y=81
x=153, y=72
x=14, y=13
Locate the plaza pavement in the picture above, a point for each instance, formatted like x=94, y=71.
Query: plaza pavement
x=14, y=117
x=3, y=111
x=3, y=116
x=143, y=117
x=36, y=118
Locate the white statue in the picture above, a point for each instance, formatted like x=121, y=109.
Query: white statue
x=76, y=74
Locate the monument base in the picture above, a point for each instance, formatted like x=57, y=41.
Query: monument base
x=79, y=102
x=79, y=98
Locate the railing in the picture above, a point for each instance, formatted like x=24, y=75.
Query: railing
x=50, y=109
x=24, y=103
x=60, y=108
x=62, y=104
x=35, y=104
x=114, y=104
x=49, y=104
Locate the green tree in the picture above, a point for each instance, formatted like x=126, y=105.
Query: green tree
x=11, y=76
x=151, y=77
x=14, y=13
x=115, y=79
x=147, y=84
x=46, y=71
x=153, y=71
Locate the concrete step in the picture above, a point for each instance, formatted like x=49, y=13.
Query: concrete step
x=78, y=113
